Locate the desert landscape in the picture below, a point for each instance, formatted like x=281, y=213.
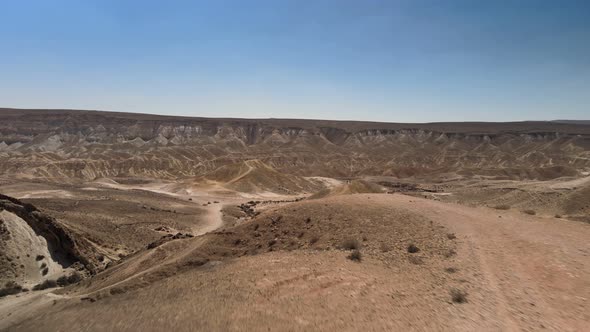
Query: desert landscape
x=126, y=221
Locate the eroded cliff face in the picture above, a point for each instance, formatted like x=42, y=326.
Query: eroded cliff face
x=36, y=247
x=86, y=145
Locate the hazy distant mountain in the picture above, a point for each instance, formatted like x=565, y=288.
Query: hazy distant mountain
x=584, y=122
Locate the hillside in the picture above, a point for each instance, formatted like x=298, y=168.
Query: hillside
x=253, y=176
x=288, y=268
x=70, y=145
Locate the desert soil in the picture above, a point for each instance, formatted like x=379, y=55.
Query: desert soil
x=519, y=272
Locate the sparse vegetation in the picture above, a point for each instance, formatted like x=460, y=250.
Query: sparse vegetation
x=450, y=270
x=355, y=255
x=412, y=249
x=450, y=253
x=502, y=207
x=314, y=239
x=350, y=244
x=458, y=296
x=416, y=260
x=45, y=284
x=10, y=288
x=531, y=212
x=68, y=280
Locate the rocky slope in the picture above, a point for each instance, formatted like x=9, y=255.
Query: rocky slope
x=35, y=247
x=85, y=145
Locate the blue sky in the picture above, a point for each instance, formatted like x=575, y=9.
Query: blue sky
x=399, y=61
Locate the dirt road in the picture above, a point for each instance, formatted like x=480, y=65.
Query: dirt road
x=534, y=272
x=519, y=272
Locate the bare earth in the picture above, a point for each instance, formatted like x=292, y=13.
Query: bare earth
x=126, y=222
x=520, y=272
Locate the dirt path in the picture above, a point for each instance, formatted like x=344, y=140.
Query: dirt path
x=521, y=272
x=532, y=272
x=214, y=219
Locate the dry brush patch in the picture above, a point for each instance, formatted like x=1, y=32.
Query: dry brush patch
x=320, y=225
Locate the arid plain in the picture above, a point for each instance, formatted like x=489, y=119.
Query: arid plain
x=115, y=221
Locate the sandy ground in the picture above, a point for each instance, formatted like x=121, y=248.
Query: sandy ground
x=520, y=272
x=535, y=270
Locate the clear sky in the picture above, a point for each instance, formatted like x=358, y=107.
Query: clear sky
x=398, y=61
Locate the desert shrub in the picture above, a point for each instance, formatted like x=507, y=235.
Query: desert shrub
x=10, y=288
x=502, y=207
x=451, y=236
x=314, y=239
x=413, y=249
x=531, y=212
x=272, y=242
x=45, y=284
x=355, y=255
x=450, y=253
x=68, y=280
x=350, y=244
x=558, y=216
x=74, y=278
x=450, y=270
x=458, y=296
